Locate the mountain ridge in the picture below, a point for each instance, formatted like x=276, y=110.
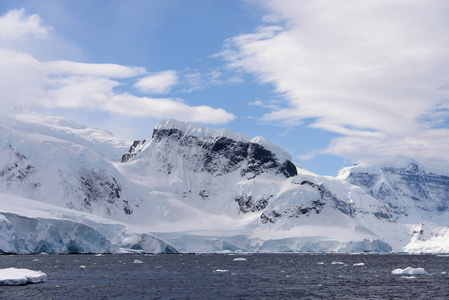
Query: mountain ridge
x=214, y=190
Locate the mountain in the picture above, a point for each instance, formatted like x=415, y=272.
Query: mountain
x=416, y=195
x=196, y=189
x=245, y=194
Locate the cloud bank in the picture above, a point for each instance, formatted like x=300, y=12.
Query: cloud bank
x=25, y=80
x=374, y=72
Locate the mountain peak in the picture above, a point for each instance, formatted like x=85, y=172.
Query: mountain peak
x=397, y=162
x=201, y=131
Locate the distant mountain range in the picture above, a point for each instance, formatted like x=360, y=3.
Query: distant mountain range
x=66, y=187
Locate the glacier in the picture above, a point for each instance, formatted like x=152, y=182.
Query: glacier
x=28, y=227
x=189, y=188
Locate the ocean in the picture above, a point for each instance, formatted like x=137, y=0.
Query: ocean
x=219, y=276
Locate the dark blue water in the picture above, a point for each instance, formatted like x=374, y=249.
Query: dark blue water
x=262, y=276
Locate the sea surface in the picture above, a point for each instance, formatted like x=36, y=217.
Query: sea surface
x=218, y=276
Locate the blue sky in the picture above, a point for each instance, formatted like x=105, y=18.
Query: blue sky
x=331, y=82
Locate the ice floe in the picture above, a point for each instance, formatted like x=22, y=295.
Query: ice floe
x=359, y=264
x=13, y=276
x=240, y=259
x=410, y=271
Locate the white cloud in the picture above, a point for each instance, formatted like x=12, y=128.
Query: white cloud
x=97, y=94
x=22, y=78
x=26, y=80
x=99, y=70
x=33, y=84
x=371, y=71
x=15, y=25
x=160, y=83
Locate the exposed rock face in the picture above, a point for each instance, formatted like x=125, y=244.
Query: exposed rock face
x=19, y=171
x=98, y=187
x=135, y=149
x=248, y=204
x=221, y=155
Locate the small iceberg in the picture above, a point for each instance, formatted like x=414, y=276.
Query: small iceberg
x=359, y=264
x=410, y=271
x=221, y=271
x=240, y=259
x=13, y=276
x=337, y=263
x=136, y=261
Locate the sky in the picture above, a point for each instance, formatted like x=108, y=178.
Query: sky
x=332, y=82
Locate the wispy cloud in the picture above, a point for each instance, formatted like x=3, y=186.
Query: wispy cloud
x=65, y=67
x=196, y=80
x=374, y=72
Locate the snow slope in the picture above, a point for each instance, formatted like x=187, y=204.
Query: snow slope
x=62, y=173
x=100, y=141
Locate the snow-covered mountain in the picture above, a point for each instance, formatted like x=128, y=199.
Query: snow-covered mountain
x=246, y=194
x=417, y=196
x=202, y=190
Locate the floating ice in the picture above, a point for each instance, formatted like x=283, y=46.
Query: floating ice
x=82, y=267
x=321, y=263
x=221, y=271
x=409, y=271
x=136, y=261
x=359, y=264
x=240, y=259
x=337, y=263
x=13, y=276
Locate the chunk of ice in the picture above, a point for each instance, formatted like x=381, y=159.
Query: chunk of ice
x=240, y=259
x=221, y=271
x=359, y=264
x=13, y=276
x=410, y=271
x=136, y=261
